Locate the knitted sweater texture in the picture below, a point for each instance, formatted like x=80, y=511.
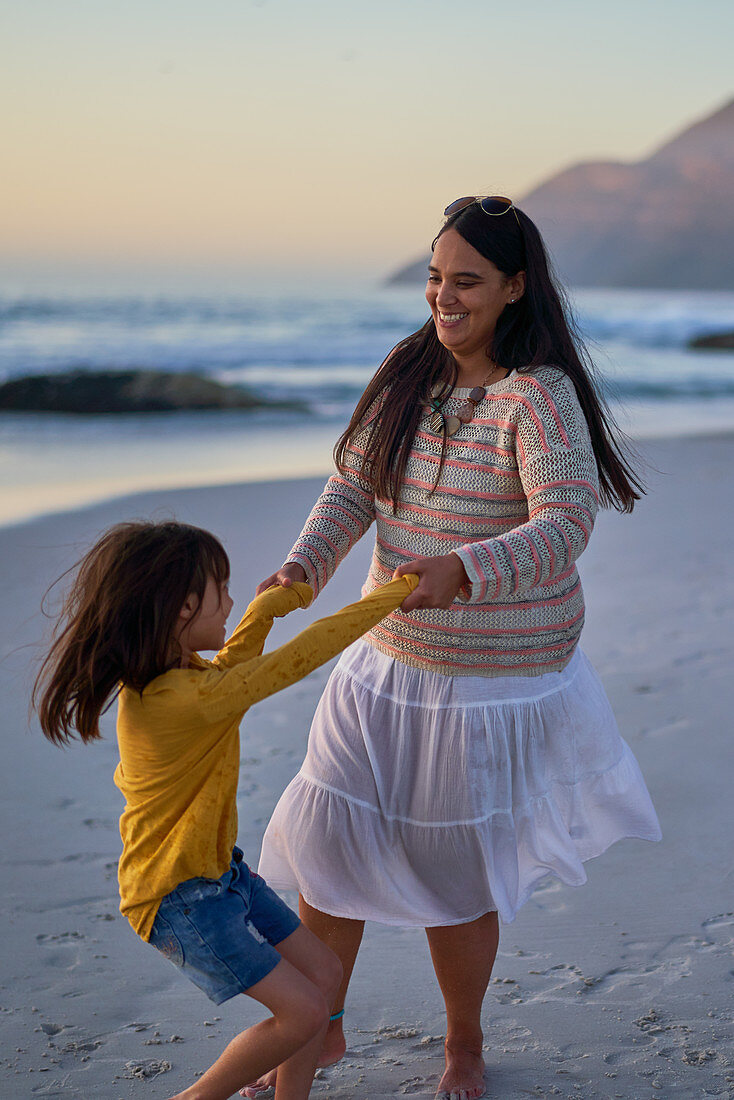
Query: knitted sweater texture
x=516, y=500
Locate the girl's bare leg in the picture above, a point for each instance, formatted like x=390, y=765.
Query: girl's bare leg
x=291, y=1038
x=463, y=956
x=343, y=937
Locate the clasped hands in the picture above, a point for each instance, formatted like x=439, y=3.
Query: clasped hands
x=441, y=579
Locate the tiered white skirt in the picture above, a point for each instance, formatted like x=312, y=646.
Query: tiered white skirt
x=429, y=800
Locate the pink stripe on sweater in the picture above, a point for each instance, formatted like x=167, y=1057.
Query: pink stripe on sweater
x=338, y=553
x=533, y=553
x=488, y=631
x=350, y=485
x=553, y=580
x=551, y=405
x=484, y=582
x=568, y=481
x=327, y=509
x=430, y=646
x=455, y=464
x=561, y=532
x=496, y=570
x=455, y=517
x=521, y=400
x=457, y=539
x=568, y=518
x=509, y=425
x=551, y=551
x=314, y=551
x=350, y=534
x=312, y=576
x=513, y=559
x=457, y=491
x=557, y=507
x=491, y=608
x=563, y=506
x=487, y=448
x=471, y=664
x=400, y=550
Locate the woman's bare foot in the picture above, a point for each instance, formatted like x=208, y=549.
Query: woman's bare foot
x=333, y=1050
x=463, y=1078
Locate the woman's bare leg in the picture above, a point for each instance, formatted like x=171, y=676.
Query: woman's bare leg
x=463, y=956
x=343, y=937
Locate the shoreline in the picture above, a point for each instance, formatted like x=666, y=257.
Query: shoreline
x=618, y=988
x=314, y=465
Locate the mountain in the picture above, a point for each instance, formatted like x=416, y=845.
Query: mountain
x=663, y=222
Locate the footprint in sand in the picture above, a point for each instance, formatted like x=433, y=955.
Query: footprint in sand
x=621, y=1058
x=544, y=896
x=80, y=1046
x=51, y=1029
x=414, y=1084
x=147, y=1069
x=54, y=1088
x=723, y=920
x=62, y=949
x=687, y=943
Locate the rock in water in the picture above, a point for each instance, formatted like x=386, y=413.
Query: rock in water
x=723, y=341
x=127, y=391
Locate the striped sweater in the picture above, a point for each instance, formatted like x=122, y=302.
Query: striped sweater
x=516, y=500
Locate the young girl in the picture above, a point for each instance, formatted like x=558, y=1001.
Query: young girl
x=145, y=599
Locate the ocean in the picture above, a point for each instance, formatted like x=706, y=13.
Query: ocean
x=320, y=347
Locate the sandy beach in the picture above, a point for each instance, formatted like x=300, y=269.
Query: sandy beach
x=619, y=989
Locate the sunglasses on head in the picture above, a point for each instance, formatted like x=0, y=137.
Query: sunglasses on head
x=494, y=205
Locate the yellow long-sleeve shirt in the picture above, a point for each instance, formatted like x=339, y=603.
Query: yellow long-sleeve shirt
x=179, y=742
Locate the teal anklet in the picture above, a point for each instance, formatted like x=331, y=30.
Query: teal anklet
x=336, y=1016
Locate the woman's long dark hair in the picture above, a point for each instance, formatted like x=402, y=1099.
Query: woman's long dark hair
x=118, y=619
x=535, y=331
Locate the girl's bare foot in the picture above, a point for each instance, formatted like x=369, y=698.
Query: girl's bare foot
x=333, y=1050
x=463, y=1078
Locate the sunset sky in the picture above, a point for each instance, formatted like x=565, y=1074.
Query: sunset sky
x=303, y=136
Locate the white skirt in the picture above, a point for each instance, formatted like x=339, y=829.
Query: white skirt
x=430, y=800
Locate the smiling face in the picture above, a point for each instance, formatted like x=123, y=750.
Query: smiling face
x=206, y=629
x=467, y=294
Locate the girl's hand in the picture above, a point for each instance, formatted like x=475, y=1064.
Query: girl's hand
x=286, y=575
x=440, y=581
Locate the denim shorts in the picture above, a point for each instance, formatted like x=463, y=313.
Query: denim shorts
x=221, y=932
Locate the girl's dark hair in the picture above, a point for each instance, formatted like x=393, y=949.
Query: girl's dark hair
x=117, y=622
x=537, y=330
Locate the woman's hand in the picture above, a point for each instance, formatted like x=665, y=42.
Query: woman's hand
x=440, y=581
x=286, y=575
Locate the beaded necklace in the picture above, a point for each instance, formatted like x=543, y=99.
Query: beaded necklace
x=449, y=425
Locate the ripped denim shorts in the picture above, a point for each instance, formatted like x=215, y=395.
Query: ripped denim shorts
x=221, y=933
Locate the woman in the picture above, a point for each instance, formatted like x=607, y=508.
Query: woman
x=463, y=749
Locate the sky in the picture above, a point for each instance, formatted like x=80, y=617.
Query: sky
x=310, y=138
